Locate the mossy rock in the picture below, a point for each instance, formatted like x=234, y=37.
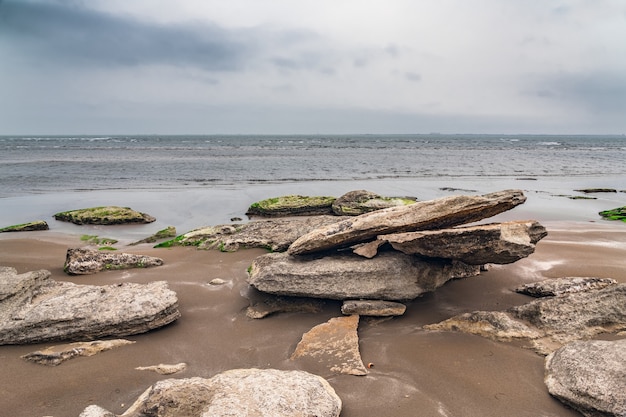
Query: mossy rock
x=168, y=232
x=292, y=205
x=597, y=190
x=615, y=214
x=106, y=215
x=358, y=202
x=26, y=227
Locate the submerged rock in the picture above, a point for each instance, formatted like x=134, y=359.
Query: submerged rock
x=164, y=369
x=273, y=234
x=241, y=393
x=82, y=261
x=358, y=202
x=334, y=345
x=549, y=323
x=433, y=214
x=292, y=205
x=561, y=286
x=26, y=227
x=389, y=276
x=104, y=215
x=34, y=308
x=498, y=243
x=55, y=355
x=589, y=376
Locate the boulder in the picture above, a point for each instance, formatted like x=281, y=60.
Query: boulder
x=26, y=227
x=589, y=376
x=549, y=323
x=561, y=286
x=83, y=261
x=498, y=243
x=334, y=345
x=34, y=308
x=104, y=215
x=343, y=276
x=292, y=205
x=242, y=393
x=358, y=202
x=55, y=355
x=273, y=234
x=433, y=214
x=378, y=308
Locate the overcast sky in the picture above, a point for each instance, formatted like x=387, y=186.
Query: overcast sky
x=322, y=66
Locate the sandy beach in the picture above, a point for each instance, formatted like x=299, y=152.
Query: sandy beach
x=437, y=373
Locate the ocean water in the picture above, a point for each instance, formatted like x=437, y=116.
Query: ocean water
x=190, y=181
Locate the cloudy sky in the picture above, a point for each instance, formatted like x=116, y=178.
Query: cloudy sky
x=303, y=66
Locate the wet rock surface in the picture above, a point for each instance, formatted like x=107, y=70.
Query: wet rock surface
x=105, y=215
x=355, y=203
x=26, y=227
x=83, y=261
x=55, y=355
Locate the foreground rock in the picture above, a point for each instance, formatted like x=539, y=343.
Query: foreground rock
x=549, y=323
x=335, y=345
x=499, y=243
x=82, y=261
x=104, y=215
x=292, y=205
x=34, y=308
x=26, y=227
x=433, y=214
x=273, y=234
x=389, y=276
x=355, y=203
x=561, y=286
x=589, y=377
x=55, y=355
x=238, y=392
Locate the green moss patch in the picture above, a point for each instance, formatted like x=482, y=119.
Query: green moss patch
x=26, y=227
x=615, y=214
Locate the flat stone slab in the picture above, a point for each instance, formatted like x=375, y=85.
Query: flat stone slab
x=566, y=285
x=83, y=261
x=378, y=308
x=104, y=215
x=589, y=376
x=26, y=227
x=292, y=205
x=164, y=369
x=55, y=355
x=355, y=203
x=34, y=308
x=423, y=215
x=335, y=345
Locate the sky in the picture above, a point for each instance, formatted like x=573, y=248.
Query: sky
x=312, y=67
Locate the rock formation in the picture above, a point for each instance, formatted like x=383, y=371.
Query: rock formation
x=238, y=392
x=373, y=308
x=168, y=232
x=34, y=308
x=335, y=345
x=55, y=355
x=433, y=214
x=104, y=215
x=549, y=323
x=566, y=285
x=292, y=205
x=355, y=203
x=26, y=227
x=389, y=276
x=83, y=261
x=589, y=376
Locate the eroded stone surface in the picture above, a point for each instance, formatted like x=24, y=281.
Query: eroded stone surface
x=379, y=308
x=358, y=202
x=164, y=369
x=560, y=286
x=83, y=261
x=55, y=355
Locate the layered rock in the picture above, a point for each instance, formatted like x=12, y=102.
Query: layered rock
x=433, y=214
x=355, y=203
x=292, y=205
x=273, y=234
x=34, y=308
x=389, y=276
x=499, y=243
x=562, y=286
x=26, y=227
x=83, y=261
x=549, y=323
x=589, y=376
x=55, y=355
x=334, y=345
x=106, y=215
x=378, y=308
x=238, y=392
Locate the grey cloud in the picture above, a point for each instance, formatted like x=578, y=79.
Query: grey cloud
x=65, y=33
x=413, y=76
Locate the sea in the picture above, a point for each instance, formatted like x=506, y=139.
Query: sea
x=213, y=178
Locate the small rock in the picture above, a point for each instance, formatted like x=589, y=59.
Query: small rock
x=358, y=202
x=560, y=286
x=164, y=369
x=55, y=355
x=104, y=215
x=96, y=411
x=83, y=261
x=169, y=231
x=26, y=227
x=597, y=190
x=373, y=308
x=217, y=281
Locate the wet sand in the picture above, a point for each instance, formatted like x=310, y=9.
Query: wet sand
x=415, y=372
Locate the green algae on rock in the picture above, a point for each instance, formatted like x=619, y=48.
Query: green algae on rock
x=106, y=215
x=169, y=231
x=355, y=203
x=292, y=205
x=26, y=227
x=618, y=213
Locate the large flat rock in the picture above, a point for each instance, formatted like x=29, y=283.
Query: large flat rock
x=433, y=214
x=389, y=276
x=34, y=308
x=84, y=261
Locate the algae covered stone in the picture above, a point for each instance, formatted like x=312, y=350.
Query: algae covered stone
x=105, y=215
x=618, y=213
x=355, y=203
x=292, y=205
x=26, y=227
